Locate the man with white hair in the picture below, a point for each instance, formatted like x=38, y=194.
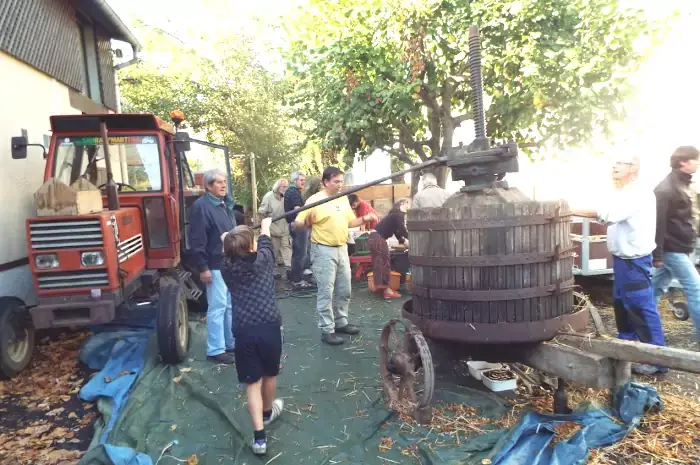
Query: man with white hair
x=432, y=195
x=629, y=210
x=209, y=219
x=272, y=205
x=293, y=200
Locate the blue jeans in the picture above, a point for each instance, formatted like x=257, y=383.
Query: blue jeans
x=300, y=256
x=680, y=266
x=219, y=316
x=332, y=272
x=635, y=310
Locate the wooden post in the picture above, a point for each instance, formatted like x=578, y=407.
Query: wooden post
x=637, y=352
x=254, y=187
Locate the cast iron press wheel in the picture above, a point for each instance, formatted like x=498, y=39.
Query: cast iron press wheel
x=171, y=323
x=406, y=367
x=680, y=310
x=16, y=337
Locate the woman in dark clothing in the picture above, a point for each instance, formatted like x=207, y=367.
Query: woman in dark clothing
x=393, y=224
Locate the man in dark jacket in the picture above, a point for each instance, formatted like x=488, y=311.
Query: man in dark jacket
x=300, y=237
x=209, y=219
x=677, y=219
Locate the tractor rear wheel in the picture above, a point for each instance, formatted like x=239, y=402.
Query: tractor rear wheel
x=16, y=337
x=172, y=323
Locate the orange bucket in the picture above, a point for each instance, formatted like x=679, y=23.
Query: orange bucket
x=395, y=281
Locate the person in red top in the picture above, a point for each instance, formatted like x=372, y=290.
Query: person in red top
x=362, y=208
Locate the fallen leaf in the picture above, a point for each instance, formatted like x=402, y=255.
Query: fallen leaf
x=186, y=370
x=72, y=415
x=173, y=428
x=177, y=379
x=55, y=412
x=192, y=460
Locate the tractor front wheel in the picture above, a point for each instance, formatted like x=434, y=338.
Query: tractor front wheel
x=172, y=323
x=16, y=337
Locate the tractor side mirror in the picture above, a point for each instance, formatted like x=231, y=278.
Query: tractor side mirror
x=182, y=142
x=19, y=148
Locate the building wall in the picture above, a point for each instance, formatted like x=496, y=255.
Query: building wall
x=19, y=179
x=46, y=35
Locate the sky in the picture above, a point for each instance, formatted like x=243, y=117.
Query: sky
x=662, y=114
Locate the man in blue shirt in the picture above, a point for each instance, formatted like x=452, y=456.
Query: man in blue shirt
x=209, y=219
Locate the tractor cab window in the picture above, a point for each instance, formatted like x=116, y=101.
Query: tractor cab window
x=135, y=161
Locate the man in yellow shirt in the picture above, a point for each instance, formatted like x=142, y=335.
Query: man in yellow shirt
x=329, y=225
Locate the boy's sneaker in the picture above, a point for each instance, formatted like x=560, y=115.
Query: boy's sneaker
x=259, y=447
x=277, y=407
x=302, y=285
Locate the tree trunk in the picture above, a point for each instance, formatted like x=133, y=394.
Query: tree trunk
x=442, y=173
x=415, y=178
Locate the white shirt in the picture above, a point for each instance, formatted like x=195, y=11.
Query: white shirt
x=630, y=213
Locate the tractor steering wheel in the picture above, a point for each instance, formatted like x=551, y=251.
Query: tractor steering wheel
x=119, y=184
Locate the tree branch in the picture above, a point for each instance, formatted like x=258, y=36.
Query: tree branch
x=429, y=99
x=408, y=140
x=457, y=120
x=401, y=156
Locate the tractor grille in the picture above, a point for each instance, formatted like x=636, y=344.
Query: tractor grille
x=72, y=279
x=64, y=234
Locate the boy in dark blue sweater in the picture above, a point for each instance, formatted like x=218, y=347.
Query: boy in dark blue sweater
x=248, y=271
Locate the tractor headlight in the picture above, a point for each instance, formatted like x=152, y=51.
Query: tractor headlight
x=92, y=258
x=46, y=261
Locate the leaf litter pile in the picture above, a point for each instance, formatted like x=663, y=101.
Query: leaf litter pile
x=671, y=436
x=42, y=421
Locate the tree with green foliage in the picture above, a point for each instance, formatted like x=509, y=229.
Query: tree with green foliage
x=225, y=93
x=394, y=75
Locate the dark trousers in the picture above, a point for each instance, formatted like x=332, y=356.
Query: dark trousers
x=636, y=315
x=300, y=256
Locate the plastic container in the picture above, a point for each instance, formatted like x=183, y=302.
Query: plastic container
x=362, y=244
x=476, y=367
x=510, y=382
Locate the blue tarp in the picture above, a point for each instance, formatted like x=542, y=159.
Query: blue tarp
x=119, y=355
x=529, y=440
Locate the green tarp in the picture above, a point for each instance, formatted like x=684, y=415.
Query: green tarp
x=334, y=407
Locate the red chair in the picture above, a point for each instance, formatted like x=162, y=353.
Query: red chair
x=363, y=263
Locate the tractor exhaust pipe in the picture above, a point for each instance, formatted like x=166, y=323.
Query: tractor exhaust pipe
x=111, y=186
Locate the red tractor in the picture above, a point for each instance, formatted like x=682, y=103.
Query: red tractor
x=89, y=267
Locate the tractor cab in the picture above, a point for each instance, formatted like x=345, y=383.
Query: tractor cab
x=110, y=230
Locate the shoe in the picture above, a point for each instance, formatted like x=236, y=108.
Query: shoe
x=277, y=407
x=222, y=358
x=348, y=329
x=259, y=447
x=391, y=294
x=302, y=285
x=646, y=369
x=332, y=339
